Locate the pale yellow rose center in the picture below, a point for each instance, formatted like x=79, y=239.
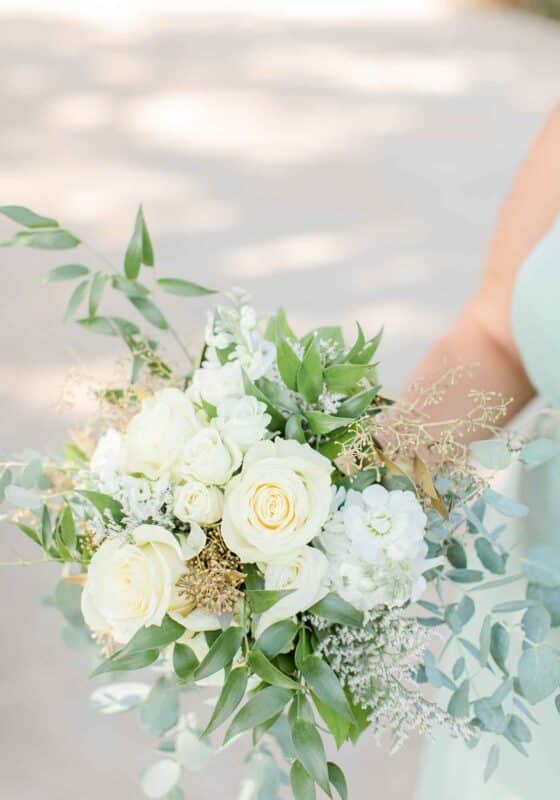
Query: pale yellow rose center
x=273, y=508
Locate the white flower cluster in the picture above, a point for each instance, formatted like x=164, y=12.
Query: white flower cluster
x=377, y=664
x=201, y=458
x=374, y=541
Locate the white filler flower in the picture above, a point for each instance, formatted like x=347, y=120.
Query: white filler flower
x=278, y=503
x=133, y=584
x=376, y=548
x=304, y=575
x=156, y=436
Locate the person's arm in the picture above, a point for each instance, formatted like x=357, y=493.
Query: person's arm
x=482, y=333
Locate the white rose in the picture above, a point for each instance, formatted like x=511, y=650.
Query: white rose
x=156, y=436
x=304, y=575
x=131, y=585
x=209, y=458
x=242, y=420
x=107, y=456
x=195, y=502
x=214, y=383
x=278, y=503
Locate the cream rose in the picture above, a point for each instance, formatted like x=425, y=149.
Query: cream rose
x=305, y=575
x=242, y=420
x=156, y=436
x=278, y=503
x=195, y=502
x=131, y=585
x=209, y=458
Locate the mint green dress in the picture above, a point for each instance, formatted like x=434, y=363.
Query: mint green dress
x=450, y=771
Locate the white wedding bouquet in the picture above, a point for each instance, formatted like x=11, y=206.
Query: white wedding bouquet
x=263, y=522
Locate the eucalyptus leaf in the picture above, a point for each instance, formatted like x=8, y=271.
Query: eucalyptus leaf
x=459, y=702
x=23, y=498
x=52, y=239
x=160, y=712
x=159, y=779
x=492, y=453
x=117, y=698
x=536, y=624
x=539, y=672
x=489, y=557
x=492, y=762
x=542, y=565
x=183, y=288
x=538, y=452
x=504, y=505
x=192, y=750
x=499, y=645
x=464, y=575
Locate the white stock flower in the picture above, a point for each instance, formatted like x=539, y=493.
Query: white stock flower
x=131, y=585
x=196, y=502
x=278, y=503
x=242, y=420
x=209, y=458
x=106, y=459
x=304, y=575
x=156, y=436
x=213, y=383
x=376, y=548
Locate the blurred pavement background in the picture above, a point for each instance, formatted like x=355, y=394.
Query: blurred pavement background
x=343, y=158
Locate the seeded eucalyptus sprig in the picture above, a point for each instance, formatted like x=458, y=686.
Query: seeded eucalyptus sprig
x=45, y=233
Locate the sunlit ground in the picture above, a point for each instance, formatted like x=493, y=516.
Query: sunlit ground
x=343, y=159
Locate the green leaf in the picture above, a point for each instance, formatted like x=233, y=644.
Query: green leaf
x=294, y=428
x=278, y=396
x=261, y=600
x=148, y=640
x=323, y=682
x=459, y=702
x=368, y=351
x=342, y=378
x=277, y=420
x=539, y=672
x=183, y=288
x=464, y=575
x=337, y=725
x=27, y=218
x=310, y=751
x=139, y=250
x=185, y=662
x=491, y=453
x=492, y=762
x=542, y=565
x=310, y=372
x=66, y=273
x=265, y=704
x=104, y=503
x=335, y=609
x=337, y=779
x=160, y=711
x=538, y=452
x=536, y=624
x=489, y=557
x=150, y=311
x=75, y=300
x=288, y=363
x=68, y=528
x=355, y=406
x=262, y=667
x=321, y=423
x=221, y=654
x=57, y=239
x=358, y=345
x=275, y=638
x=130, y=661
x=231, y=695
x=303, y=786
x=96, y=293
